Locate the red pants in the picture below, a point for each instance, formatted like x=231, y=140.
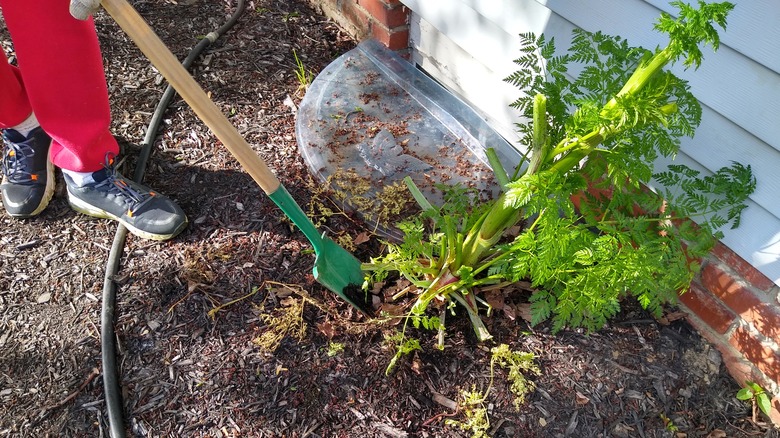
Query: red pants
x=60, y=77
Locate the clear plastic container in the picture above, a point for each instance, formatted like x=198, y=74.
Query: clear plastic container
x=370, y=118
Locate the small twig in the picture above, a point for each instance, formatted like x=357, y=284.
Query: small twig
x=48, y=409
x=311, y=430
x=622, y=368
x=636, y=321
x=438, y=417
x=743, y=430
x=28, y=245
x=403, y=292
x=192, y=287
x=212, y=313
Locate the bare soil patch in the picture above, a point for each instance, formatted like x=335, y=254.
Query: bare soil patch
x=189, y=311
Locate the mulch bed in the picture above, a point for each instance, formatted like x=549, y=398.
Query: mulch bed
x=190, y=312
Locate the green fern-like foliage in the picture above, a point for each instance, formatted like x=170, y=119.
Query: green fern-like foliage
x=585, y=261
x=593, y=139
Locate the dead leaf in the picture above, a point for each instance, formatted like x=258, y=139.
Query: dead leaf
x=717, y=433
x=509, y=312
x=581, y=399
x=377, y=287
x=416, y=365
x=524, y=310
x=392, y=309
x=281, y=292
x=514, y=231
x=361, y=238
x=671, y=317
x=495, y=299
x=288, y=102
x=289, y=301
x=44, y=298
x=327, y=329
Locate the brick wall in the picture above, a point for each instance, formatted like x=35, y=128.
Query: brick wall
x=737, y=309
x=731, y=304
x=383, y=20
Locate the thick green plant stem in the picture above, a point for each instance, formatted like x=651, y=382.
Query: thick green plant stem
x=505, y=214
x=498, y=169
x=584, y=147
x=488, y=230
x=577, y=150
x=685, y=38
x=467, y=300
x=582, y=272
x=541, y=141
x=641, y=76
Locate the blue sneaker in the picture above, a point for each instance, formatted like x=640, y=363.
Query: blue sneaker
x=143, y=212
x=28, y=175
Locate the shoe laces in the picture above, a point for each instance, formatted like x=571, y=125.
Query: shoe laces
x=17, y=158
x=118, y=185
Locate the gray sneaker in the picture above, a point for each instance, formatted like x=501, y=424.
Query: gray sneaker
x=28, y=175
x=144, y=212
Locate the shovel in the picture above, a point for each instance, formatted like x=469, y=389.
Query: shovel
x=334, y=267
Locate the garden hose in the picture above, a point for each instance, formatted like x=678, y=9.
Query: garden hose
x=114, y=405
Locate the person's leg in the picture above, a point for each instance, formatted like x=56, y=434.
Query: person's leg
x=28, y=176
x=14, y=106
x=62, y=71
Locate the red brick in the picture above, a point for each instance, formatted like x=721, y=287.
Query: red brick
x=708, y=308
x=774, y=413
x=765, y=358
x=742, y=267
x=356, y=15
x=738, y=367
x=394, y=40
x=742, y=300
x=389, y=16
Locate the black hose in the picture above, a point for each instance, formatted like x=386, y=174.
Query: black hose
x=113, y=394
x=107, y=341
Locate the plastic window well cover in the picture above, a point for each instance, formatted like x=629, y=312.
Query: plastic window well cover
x=370, y=118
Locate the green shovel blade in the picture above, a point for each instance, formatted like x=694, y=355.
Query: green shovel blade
x=334, y=267
x=339, y=271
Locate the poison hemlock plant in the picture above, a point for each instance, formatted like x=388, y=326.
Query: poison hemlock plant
x=592, y=232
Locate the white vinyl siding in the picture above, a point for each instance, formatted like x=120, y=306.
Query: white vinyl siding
x=469, y=45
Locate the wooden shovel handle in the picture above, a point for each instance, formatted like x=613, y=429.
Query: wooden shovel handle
x=176, y=75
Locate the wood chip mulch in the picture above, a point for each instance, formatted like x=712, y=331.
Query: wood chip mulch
x=192, y=313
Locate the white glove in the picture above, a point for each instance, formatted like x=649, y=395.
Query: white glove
x=83, y=9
